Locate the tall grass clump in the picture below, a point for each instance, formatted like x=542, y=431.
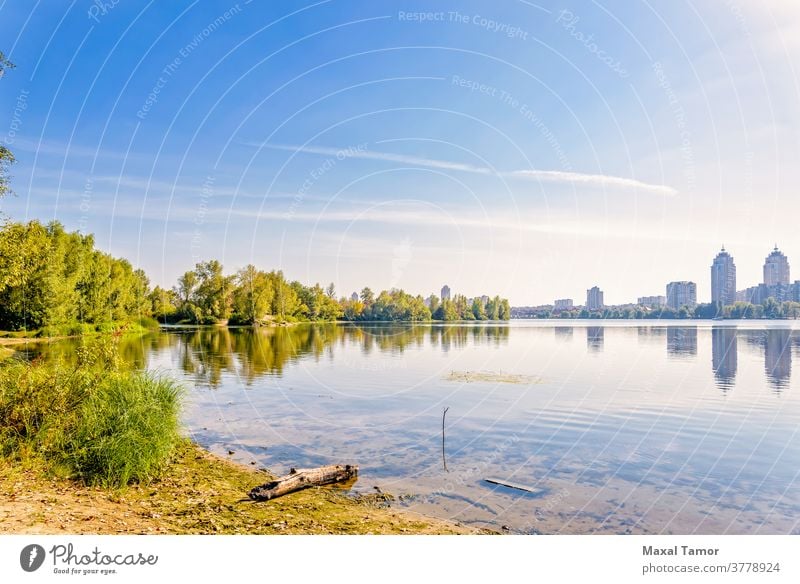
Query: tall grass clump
x=126, y=429
x=105, y=424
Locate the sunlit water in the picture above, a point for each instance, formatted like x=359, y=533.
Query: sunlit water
x=629, y=427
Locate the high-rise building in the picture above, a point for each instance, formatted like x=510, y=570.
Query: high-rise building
x=723, y=279
x=681, y=294
x=562, y=304
x=594, y=299
x=445, y=292
x=652, y=301
x=753, y=295
x=354, y=296
x=776, y=269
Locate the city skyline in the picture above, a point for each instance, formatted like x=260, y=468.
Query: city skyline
x=776, y=283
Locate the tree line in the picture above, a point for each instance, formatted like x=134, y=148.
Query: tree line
x=770, y=309
x=59, y=281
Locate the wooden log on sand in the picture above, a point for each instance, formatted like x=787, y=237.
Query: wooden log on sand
x=303, y=478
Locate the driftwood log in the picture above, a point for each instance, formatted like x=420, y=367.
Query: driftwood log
x=303, y=478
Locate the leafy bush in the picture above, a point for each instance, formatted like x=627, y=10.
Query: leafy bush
x=107, y=425
x=147, y=323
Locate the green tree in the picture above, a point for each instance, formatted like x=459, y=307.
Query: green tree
x=791, y=310
x=252, y=297
x=185, y=292
x=286, y=304
x=504, y=311
x=772, y=308
x=213, y=294
x=163, y=304
x=434, y=303
x=478, y=309
x=367, y=297
x=6, y=157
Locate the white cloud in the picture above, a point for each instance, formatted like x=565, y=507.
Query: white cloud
x=595, y=180
x=354, y=152
x=553, y=176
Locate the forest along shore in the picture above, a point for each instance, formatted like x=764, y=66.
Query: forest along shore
x=198, y=493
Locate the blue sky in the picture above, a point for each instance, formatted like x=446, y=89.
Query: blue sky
x=531, y=150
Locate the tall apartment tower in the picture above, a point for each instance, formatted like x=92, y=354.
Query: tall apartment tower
x=723, y=279
x=445, y=292
x=776, y=269
x=594, y=299
x=681, y=294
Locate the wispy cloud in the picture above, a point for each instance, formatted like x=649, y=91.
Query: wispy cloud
x=595, y=180
x=356, y=152
x=552, y=176
x=61, y=149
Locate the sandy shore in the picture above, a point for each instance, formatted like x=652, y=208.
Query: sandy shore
x=199, y=493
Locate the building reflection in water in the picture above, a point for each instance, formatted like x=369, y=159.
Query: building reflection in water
x=651, y=334
x=682, y=341
x=778, y=357
x=724, y=356
x=595, y=337
x=563, y=333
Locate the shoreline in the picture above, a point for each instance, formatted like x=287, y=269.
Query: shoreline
x=199, y=493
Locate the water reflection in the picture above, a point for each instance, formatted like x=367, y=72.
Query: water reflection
x=778, y=356
x=207, y=354
x=651, y=334
x=595, y=338
x=564, y=333
x=776, y=346
x=682, y=341
x=724, y=356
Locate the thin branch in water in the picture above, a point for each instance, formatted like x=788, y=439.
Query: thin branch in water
x=444, y=459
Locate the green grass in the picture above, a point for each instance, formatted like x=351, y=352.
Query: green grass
x=92, y=420
x=126, y=430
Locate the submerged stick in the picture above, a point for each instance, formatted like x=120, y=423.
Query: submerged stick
x=300, y=479
x=513, y=485
x=444, y=459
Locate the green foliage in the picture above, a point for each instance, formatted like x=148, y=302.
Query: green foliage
x=163, y=304
x=6, y=160
x=104, y=424
x=5, y=64
x=51, y=278
x=6, y=156
x=213, y=293
x=59, y=283
x=390, y=305
x=127, y=428
x=252, y=298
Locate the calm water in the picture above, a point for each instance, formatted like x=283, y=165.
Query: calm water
x=626, y=427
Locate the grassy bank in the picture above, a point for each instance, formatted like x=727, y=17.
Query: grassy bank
x=90, y=447
x=90, y=419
